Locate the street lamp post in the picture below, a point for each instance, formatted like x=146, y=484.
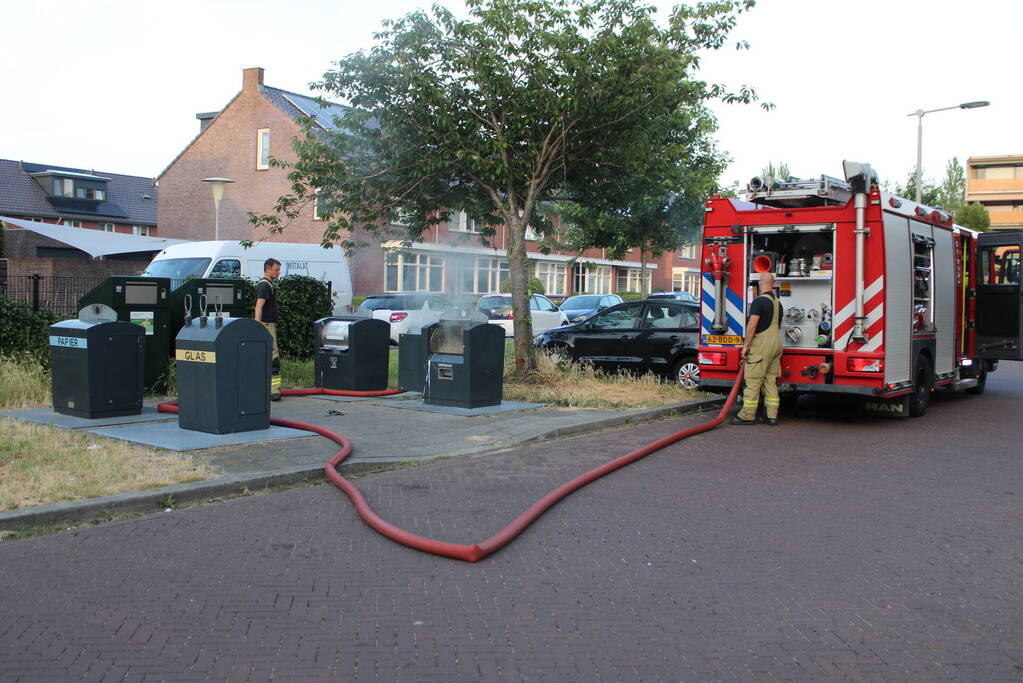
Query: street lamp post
x=919, y=114
x=218, y=185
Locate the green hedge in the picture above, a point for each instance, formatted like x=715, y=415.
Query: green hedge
x=301, y=301
x=23, y=330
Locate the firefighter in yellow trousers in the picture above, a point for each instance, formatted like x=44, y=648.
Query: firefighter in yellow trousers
x=761, y=351
x=266, y=313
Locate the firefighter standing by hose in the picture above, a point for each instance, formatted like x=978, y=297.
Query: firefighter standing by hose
x=266, y=313
x=761, y=351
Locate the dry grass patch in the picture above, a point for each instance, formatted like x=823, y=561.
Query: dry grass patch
x=563, y=383
x=24, y=383
x=40, y=464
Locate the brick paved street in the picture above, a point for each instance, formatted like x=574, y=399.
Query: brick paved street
x=827, y=548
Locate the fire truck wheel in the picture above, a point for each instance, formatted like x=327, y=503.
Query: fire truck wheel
x=922, y=384
x=687, y=372
x=981, y=383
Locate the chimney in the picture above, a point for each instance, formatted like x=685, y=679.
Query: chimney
x=205, y=119
x=252, y=78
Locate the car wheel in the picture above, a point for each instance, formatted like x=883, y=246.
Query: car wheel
x=687, y=373
x=922, y=384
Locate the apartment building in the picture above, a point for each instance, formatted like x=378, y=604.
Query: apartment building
x=997, y=183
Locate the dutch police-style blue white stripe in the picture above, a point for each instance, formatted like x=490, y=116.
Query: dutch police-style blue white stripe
x=733, y=309
x=69, y=342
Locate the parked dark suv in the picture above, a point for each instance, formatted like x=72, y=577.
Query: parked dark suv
x=656, y=335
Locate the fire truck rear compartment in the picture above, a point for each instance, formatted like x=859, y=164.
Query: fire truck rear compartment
x=802, y=259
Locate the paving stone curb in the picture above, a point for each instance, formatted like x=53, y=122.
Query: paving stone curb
x=91, y=509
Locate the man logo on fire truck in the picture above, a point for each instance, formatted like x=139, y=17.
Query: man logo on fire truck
x=883, y=298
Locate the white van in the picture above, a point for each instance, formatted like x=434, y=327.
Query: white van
x=231, y=259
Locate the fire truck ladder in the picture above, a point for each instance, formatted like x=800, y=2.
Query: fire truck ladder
x=795, y=192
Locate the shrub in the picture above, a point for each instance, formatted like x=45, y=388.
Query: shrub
x=301, y=301
x=630, y=296
x=23, y=330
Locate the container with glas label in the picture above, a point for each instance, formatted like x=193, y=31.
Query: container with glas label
x=223, y=375
x=96, y=365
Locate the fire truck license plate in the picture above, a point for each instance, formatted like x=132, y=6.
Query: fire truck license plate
x=732, y=339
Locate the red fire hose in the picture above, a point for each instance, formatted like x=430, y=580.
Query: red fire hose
x=475, y=552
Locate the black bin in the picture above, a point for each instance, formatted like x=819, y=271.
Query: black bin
x=142, y=301
x=352, y=353
x=465, y=364
x=412, y=354
x=223, y=375
x=96, y=364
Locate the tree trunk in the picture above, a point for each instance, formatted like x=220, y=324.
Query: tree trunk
x=643, y=288
x=518, y=265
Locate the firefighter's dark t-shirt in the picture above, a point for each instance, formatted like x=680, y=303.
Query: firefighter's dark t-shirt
x=264, y=290
x=763, y=306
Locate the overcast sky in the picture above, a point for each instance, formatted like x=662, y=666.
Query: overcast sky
x=114, y=86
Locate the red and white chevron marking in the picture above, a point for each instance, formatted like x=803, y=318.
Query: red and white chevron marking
x=873, y=297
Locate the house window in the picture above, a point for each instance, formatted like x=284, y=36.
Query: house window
x=464, y=223
x=262, y=149
x=687, y=251
x=484, y=276
x=413, y=273
x=106, y=227
x=72, y=224
x=90, y=193
x=531, y=235
x=692, y=282
x=140, y=230
x=592, y=280
x=630, y=280
x=552, y=275
x=318, y=208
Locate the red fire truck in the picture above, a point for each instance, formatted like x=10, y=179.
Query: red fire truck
x=883, y=297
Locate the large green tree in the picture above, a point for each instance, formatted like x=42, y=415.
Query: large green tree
x=525, y=102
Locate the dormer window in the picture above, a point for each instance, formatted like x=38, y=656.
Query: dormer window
x=73, y=185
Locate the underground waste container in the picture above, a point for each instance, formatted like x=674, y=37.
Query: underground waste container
x=352, y=353
x=223, y=375
x=96, y=364
x=465, y=363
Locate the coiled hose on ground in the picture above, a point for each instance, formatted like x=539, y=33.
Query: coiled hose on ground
x=477, y=551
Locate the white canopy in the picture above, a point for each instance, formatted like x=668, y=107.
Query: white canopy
x=93, y=242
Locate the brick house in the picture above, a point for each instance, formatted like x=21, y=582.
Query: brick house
x=72, y=198
x=261, y=121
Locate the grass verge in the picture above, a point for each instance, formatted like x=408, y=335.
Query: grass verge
x=40, y=464
x=558, y=382
x=24, y=383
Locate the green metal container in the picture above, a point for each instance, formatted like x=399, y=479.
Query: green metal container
x=223, y=294
x=143, y=301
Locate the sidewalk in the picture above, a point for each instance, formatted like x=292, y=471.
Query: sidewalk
x=381, y=435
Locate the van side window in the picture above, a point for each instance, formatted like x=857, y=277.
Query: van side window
x=227, y=268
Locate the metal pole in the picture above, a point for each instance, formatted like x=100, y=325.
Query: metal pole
x=216, y=205
x=35, y=291
x=859, y=333
x=919, y=152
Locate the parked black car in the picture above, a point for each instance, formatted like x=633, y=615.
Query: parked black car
x=657, y=335
x=582, y=306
